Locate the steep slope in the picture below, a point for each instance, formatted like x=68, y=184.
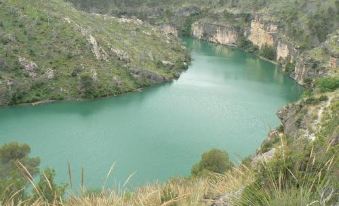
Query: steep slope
x=51, y=51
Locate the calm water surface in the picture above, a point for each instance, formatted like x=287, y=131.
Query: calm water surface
x=227, y=99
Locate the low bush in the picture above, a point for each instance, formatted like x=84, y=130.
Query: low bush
x=327, y=84
x=215, y=160
x=268, y=52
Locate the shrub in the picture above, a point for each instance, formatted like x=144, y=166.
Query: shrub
x=14, y=158
x=47, y=189
x=247, y=45
x=87, y=85
x=268, y=52
x=290, y=67
x=212, y=161
x=328, y=84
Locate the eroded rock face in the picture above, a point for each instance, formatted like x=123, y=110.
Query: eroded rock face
x=217, y=33
x=307, y=68
x=289, y=116
x=169, y=30
x=262, y=34
x=141, y=75
x=282, y=51
x=29, y=66
x=121, y=55
x=334, y=62
x=303, y=66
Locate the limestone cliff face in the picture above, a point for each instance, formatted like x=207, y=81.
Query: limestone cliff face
x=302, y=66
x=218, y=33
x=268, y=33
x=262, y=34
x=303, y=71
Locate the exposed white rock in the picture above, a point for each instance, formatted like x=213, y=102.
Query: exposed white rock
x=265, y=157
x=50, y=73
x=169, y=30
x=29, y=66
x=282, y=51
x=98, y=51
x=94, y=74
x=261, y=36
x=122, y=55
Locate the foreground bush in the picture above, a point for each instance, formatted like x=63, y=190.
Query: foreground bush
x=215, y=160
x=17, y=173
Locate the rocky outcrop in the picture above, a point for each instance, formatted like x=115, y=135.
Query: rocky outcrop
x=50, y=74
x=121, y=55
x=169, y=30
x=306, y=69
x=218, y=33
x=262, y=34
x=304, y=118
x=143, y=76
x=29, y=66
x=302, y=66
x=334, y=62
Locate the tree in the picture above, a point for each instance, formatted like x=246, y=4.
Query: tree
x=16, y=168
x=87, y=85
x=48, y=189
x=215, y=160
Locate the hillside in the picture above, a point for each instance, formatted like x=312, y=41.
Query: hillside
x=51, y=51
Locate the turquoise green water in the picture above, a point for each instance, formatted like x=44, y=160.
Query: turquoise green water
x=227, y=99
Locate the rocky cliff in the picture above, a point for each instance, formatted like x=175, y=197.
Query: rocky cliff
x=225, y=34
x=303, y=65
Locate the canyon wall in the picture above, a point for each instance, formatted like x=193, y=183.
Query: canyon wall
x=217, y=33
x=300, y=65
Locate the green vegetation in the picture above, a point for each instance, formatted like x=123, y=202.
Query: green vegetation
x=215, y=160
x=51, y=51
x=327, y=84
x=15, y=165
x=268, y=52
x=298, y=175
x=17, y=173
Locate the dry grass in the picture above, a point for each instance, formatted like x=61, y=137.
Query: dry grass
x=180, y=191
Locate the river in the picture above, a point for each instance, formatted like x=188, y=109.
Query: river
x=227, y=99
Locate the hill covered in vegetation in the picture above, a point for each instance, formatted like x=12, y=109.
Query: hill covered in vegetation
x=51, y=51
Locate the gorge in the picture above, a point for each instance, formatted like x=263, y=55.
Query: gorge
x=138, y=90
x=176, y=121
